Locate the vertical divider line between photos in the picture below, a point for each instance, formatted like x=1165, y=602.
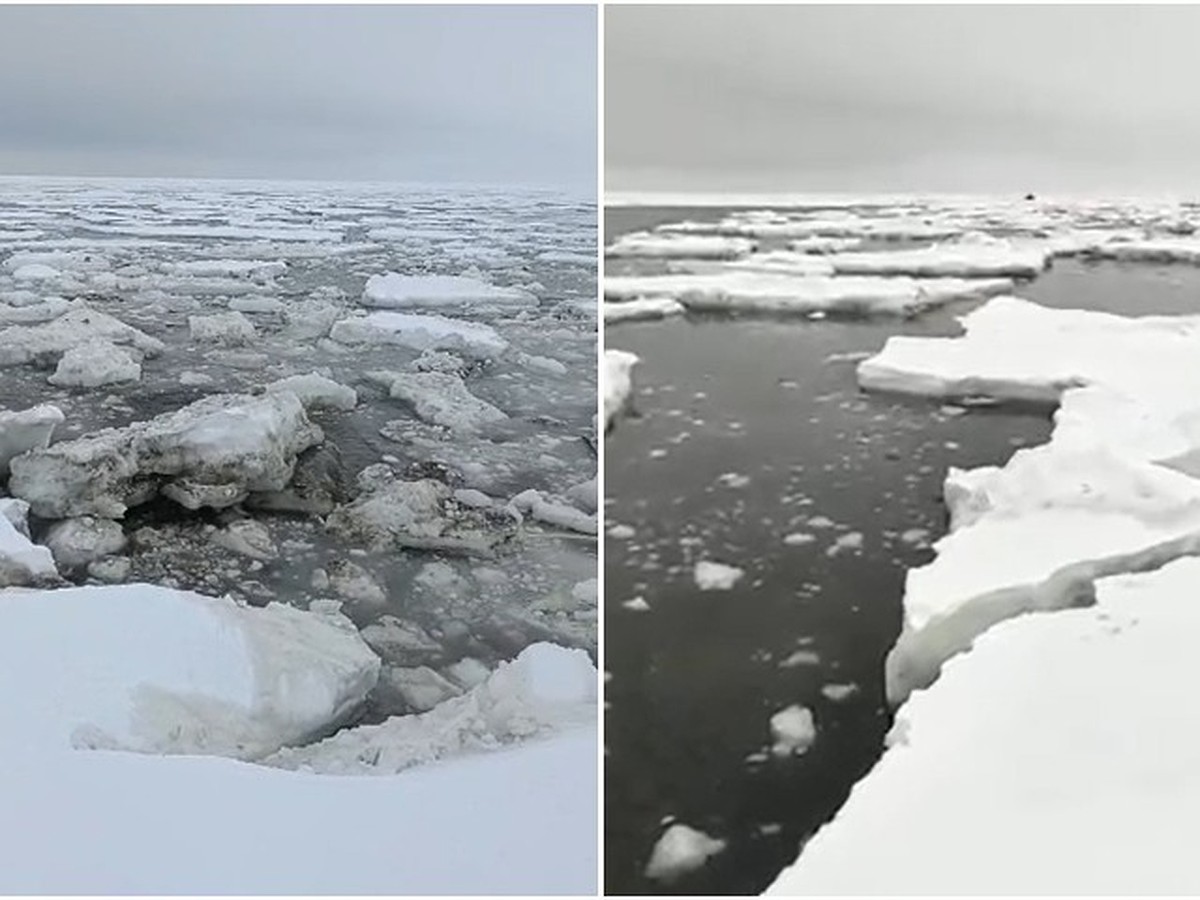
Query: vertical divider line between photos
x=600, y=453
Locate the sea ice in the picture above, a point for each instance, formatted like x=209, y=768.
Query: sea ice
x=544, y=691
x=680, y=850
x=715, y=576
x=29, y=429
x=317, y=392
x=44, y=344
x=166, y=671
x=644, y=243
x=419, y=332
x=77, y=542
x=440, y=399
x=96, y=363
x=211, y=453
x=776, y=293
x=947, y=260
x=420, y=514
x=231, y=328
x=1050, y=730
x=393, y=291
x=618, y=384
x=23, y=562
x=793, y=731
x=636, y=310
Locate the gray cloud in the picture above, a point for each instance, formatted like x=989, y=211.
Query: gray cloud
x=488, y=94
x=854, y=98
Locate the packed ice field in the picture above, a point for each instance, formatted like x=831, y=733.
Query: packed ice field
x=1042, y=740
x=297, y=487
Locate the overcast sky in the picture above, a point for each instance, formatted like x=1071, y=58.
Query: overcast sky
x=482, y=94
x=891, y=98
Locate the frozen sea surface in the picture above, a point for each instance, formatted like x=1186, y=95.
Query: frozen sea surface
x=280, y=264
x=749, y=442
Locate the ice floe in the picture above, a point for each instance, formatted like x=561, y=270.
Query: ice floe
x=165, y=671
x=1050, y=730
x=679, y=246
x=775, y=293
x=212, y=453
x=715, y=576
x=681, y=849
x=29, y=429
x=419, y=332
x=394, y=291
x=636, y=310
x=618, y=383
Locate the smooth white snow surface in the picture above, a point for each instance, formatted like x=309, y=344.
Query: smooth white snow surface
x=154, y=669
x=165, y=671
x=1060, y=756
x=518, y=821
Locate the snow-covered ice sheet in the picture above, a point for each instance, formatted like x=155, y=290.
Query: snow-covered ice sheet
x=959, y=260
x=775, y=293
x=677, y=246
x=394, y=291
x=636, y=310
x=159, y=670
x=155, y=669
x=516, y=821
x=1108, y=371
x=1114, y=489
x=1060, y=756
x=547, y=690
x=420, y=332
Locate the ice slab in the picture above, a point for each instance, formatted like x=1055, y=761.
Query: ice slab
x=420, y=332
x=29, y=429
x=675, y=246
x=394, y=291
x=1048, y=732
x=776, y=293
x=966, y=260
x=638, y=310
x=618, y=383
x=165, y=671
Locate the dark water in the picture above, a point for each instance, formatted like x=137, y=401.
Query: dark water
x=694, y=681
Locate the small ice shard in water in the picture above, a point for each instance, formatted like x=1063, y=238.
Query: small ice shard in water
x=714, y=576
x=637, y=604
x=680, y=850
x=793, y=730
x=733, y=480
x=847, y=542
x=839, y=692
x=798, y=539
x=800, y=658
